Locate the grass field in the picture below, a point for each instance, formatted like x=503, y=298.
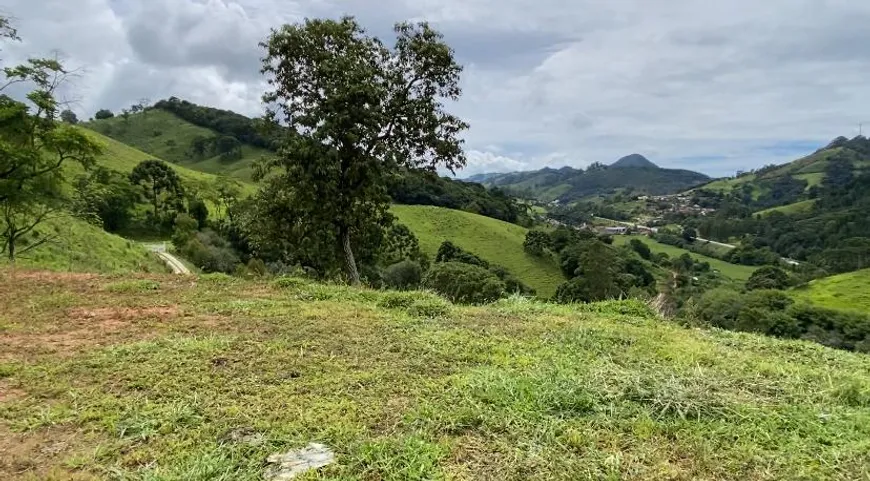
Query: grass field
x=850, y=291
x=496, y=241
x=732, y=271
x=81, y=247
x=124, y=158
x=796, y=208
x=163, y=378
x=171, y=138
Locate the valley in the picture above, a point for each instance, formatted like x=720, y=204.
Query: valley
x=190, y=293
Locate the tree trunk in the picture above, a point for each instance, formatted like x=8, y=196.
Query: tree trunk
x=348, y=257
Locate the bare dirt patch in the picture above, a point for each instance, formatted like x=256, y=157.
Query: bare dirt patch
x=36, y=455
x=50, y=276
x=87, y=327
x=9, y=393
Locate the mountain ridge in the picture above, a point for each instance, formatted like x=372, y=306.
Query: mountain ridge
x=633, y=173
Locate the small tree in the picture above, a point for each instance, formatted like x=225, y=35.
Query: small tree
x=353, y=111
x=537, y=242
x=228, y=192
x=690, y=234
x=199, y=211
x=768, y=277
x=103, y=114
x=69, y=117
x=641, y=248
x=160, y=183
x=34, y=147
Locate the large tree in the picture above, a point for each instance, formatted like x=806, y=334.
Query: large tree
x=34, y=147
x=160, y=184
x=350, y=111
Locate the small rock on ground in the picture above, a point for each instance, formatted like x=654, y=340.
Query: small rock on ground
x=288, y=465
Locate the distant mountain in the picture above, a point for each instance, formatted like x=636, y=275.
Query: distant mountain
x=635, y=161
x=633, y=173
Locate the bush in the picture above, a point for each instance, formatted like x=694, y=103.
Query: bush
x=537, y=242
x=449, y=252
x=403, y=275
x=290, y=283
x=137, y=285
x=185, y=230
x=773, y=313
x=464, y=283
x=217, y=278
x=513, y=284
x=211, y=253
x=641, y=248
x=429, y=307
x=768, y=277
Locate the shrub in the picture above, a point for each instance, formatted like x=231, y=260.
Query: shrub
x=641, y=248
x=217, y=278
x=449, y=252
x=137, y=285
x=211, y=253
x=290, y=283
x=768, y=277
x=403, y=275
x=464, y=283
x=429, y=307
x=396, y=300
x=185, y=230
x=537, y=242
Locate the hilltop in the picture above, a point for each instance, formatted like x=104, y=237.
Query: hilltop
x=163, y=134
x=809, y=170
x=633, y=173
x=203, y=378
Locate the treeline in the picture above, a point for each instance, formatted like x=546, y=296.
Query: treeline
x=420, y=187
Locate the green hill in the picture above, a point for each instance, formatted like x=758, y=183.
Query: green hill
x=77, y=246
x=801, y=207
x=493, y=240
x=633, y=172
x=123, y=158
x=168, y=137
x=810, y=168
x=204, y=378
x=850, y=291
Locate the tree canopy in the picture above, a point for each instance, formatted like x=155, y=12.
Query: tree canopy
x=349, y=111
x=34, y=146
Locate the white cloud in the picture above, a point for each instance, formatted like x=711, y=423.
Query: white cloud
x=713, y=86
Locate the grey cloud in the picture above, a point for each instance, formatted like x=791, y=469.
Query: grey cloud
x=213, y=33
x=704, y=85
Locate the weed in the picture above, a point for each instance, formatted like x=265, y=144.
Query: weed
x=132, y=286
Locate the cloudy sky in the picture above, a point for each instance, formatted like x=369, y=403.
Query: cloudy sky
x=697, y=84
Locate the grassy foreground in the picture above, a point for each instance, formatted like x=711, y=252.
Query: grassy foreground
x=496, y=241
x=850, y=291
x=168, y=378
